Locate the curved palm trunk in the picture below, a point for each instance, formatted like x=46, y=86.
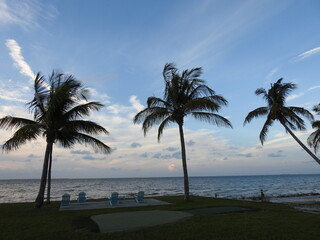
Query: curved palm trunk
x=40, y=197
x=301, y=144
x=49, y=179
x=184, y=164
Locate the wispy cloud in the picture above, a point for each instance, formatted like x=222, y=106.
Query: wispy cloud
x=271, y=74
x=16, y=55
x=309, y=53
x=276, y=155
x=25, y=13
x=135, y=145
x=295, y=96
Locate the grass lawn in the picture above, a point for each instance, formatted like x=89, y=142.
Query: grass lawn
x=267, y=221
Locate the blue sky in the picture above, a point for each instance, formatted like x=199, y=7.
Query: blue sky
x=118, y=50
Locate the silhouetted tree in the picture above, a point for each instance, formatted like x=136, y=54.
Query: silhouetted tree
x=58, y=107
x=276, y=110
x=314, y=138
x=184, y=94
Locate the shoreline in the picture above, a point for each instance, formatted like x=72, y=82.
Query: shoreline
x=303, y=198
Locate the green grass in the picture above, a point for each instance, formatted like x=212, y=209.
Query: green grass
x=268, y=221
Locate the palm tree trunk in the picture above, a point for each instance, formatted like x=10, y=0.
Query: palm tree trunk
x=301, y=144
x=184, y=164
x=40, y=197
x=49, y=179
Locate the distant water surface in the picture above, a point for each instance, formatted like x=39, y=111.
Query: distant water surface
x=229, y=187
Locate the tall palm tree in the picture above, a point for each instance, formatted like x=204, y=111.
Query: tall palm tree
x=184, y=94
x=58, y=108
x=276, y=109
x=314, y=138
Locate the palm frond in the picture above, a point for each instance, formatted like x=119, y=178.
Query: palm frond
x=83, y=126
x=21, y=136
x=9, y=122
x=291, y=119
x=164, y=124
x=169, y=70
x=316, y=108
x=82, y=110
x=212, y=118
x=258, y=112
x=314, y=140
x=82, y=138
x=202, y=104
x=302, y=111
x=264, y=131
x=154, y=119
x=41, y=93
x=142, y=115
x=157, y=102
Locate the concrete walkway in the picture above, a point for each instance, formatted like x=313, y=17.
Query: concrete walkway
x=125, y=221
x=105, y=204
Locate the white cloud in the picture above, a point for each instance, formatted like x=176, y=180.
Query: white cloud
x=309, y=53
x=271, y=74
x=104, y=98
x=136, y=103
x=25, y=13
x=295, y=96
x=15, y=53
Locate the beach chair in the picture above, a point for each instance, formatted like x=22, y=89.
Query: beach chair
x=139, y=197
x=114, y=199
x=81, y=197
x=65, y=199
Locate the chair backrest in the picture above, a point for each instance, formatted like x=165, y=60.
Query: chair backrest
x=140, y=196
x=114, y=198
x=65, y=199
x=82, y=197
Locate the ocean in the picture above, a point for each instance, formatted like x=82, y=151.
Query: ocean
x=227, y=187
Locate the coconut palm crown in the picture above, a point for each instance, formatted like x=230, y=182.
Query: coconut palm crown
x=184, y=94
x=58, y=108
x=276, y=110
x=314, y=138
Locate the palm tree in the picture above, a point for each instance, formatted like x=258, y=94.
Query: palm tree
x=276, y=109
x=58, y=107
x=184, y=94
x=314, y=138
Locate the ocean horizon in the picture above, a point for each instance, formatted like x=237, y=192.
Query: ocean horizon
x=241, y=186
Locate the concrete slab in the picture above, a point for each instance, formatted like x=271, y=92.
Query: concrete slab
x=125, y=221
x=105, y=204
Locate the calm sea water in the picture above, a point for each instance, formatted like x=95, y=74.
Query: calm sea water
x=229, y=187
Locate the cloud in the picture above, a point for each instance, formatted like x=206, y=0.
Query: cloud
x=32, y=156
x=276, y=155
x=309, y=53
x=176, y=155
x=271, y=74
x=136, y=103
x=104, y=98
x=90, y=157
x=157, y=155
x=135, y=145
x=80, y=152
x=295, y=96
x=25, y=13
x=171, y=149
x=190, y=143
x=144, y=155
x=19, y=62
x=247, y=155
